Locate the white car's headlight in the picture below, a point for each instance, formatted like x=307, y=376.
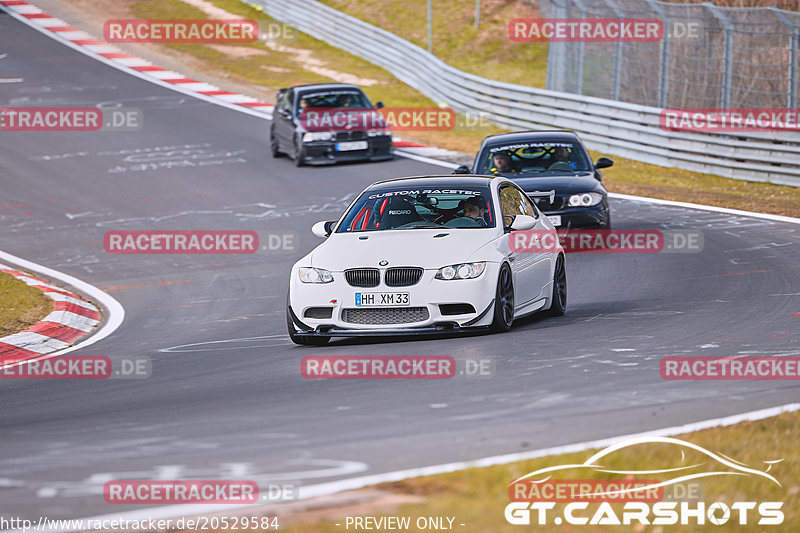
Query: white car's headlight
x=311, y=136
x=461, y=271
x=586, y=199
x=314, y=275
x=378, y=133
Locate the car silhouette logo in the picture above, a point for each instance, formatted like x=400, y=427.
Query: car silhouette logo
x=384, y=263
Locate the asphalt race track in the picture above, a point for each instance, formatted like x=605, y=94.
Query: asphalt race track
x=226, y=399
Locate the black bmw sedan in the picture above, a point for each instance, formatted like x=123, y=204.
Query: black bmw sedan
x=326, y=123
x=541, y=162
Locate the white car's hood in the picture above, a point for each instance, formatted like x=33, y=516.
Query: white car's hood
x=426, y=248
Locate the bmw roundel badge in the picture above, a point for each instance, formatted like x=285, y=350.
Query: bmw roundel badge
x=384, y=263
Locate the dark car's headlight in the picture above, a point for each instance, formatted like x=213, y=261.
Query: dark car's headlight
x=314, y=275
x=586, y=199
x=461, y=271
x=378, y=133
x=312, y=136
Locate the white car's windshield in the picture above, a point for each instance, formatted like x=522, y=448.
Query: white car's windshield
x=442, y=206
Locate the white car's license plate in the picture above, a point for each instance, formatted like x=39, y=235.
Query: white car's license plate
x=555, y=219
x=381, y=299
x=351, y=145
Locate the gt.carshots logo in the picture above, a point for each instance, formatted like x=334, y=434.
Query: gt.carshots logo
x=549, y=496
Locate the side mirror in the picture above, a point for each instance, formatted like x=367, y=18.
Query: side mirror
x=523, y=222
x=463, y=169
x=603, y=162
x=379, y=105
x=323, y=228
x=279, y=94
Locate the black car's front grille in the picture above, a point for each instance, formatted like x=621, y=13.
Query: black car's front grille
x=351, y=135
x=385, y=315
x=559, y=203
x=363, y=277
x=403, y=276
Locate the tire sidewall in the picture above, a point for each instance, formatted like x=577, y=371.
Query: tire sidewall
x=499, y=323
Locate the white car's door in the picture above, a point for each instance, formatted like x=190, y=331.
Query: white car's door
x=531, y=268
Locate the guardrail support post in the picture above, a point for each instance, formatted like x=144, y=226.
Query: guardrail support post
x=581, y=51
x=617, y=53
x=794, y=43
x=430, y=27
x=663, y=80
x=727, y=72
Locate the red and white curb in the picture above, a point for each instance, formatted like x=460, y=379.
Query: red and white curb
x=101, y=49
x=110, y=54
x=71, y=318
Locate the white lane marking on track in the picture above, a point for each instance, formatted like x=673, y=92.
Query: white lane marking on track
x=268, y=341
x=306, y=468
x=324, y=489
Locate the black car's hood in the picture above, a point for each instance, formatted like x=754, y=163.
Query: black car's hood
x=561, y=183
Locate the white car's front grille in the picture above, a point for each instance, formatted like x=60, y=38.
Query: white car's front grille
x=385, y=315
x=363, y=277
x=403, y=276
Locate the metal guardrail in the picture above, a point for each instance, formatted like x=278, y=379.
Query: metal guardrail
x=617, y=128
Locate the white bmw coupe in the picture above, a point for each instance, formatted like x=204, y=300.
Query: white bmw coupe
x=426, y=255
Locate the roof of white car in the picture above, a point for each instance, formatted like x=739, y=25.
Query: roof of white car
x=451, y=180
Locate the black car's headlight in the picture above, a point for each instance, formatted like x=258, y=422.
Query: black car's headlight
x=586, y=199
x=314, y=275
x=378, y=133
x=461, y=271
x=311, y=136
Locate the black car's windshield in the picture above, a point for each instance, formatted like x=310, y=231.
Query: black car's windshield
x=440, y=206
x=541, y=157
x=333, y=98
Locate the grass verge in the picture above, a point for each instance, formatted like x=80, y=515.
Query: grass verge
x=21, y=306
x=477, y=497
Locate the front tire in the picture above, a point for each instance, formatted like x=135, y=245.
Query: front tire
x=274, y=147
x=504, y=300
x=299, y=153
x=558, y=304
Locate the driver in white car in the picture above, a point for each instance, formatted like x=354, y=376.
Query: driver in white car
x=474, y=210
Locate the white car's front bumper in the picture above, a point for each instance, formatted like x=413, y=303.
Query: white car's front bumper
x=434, y=305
